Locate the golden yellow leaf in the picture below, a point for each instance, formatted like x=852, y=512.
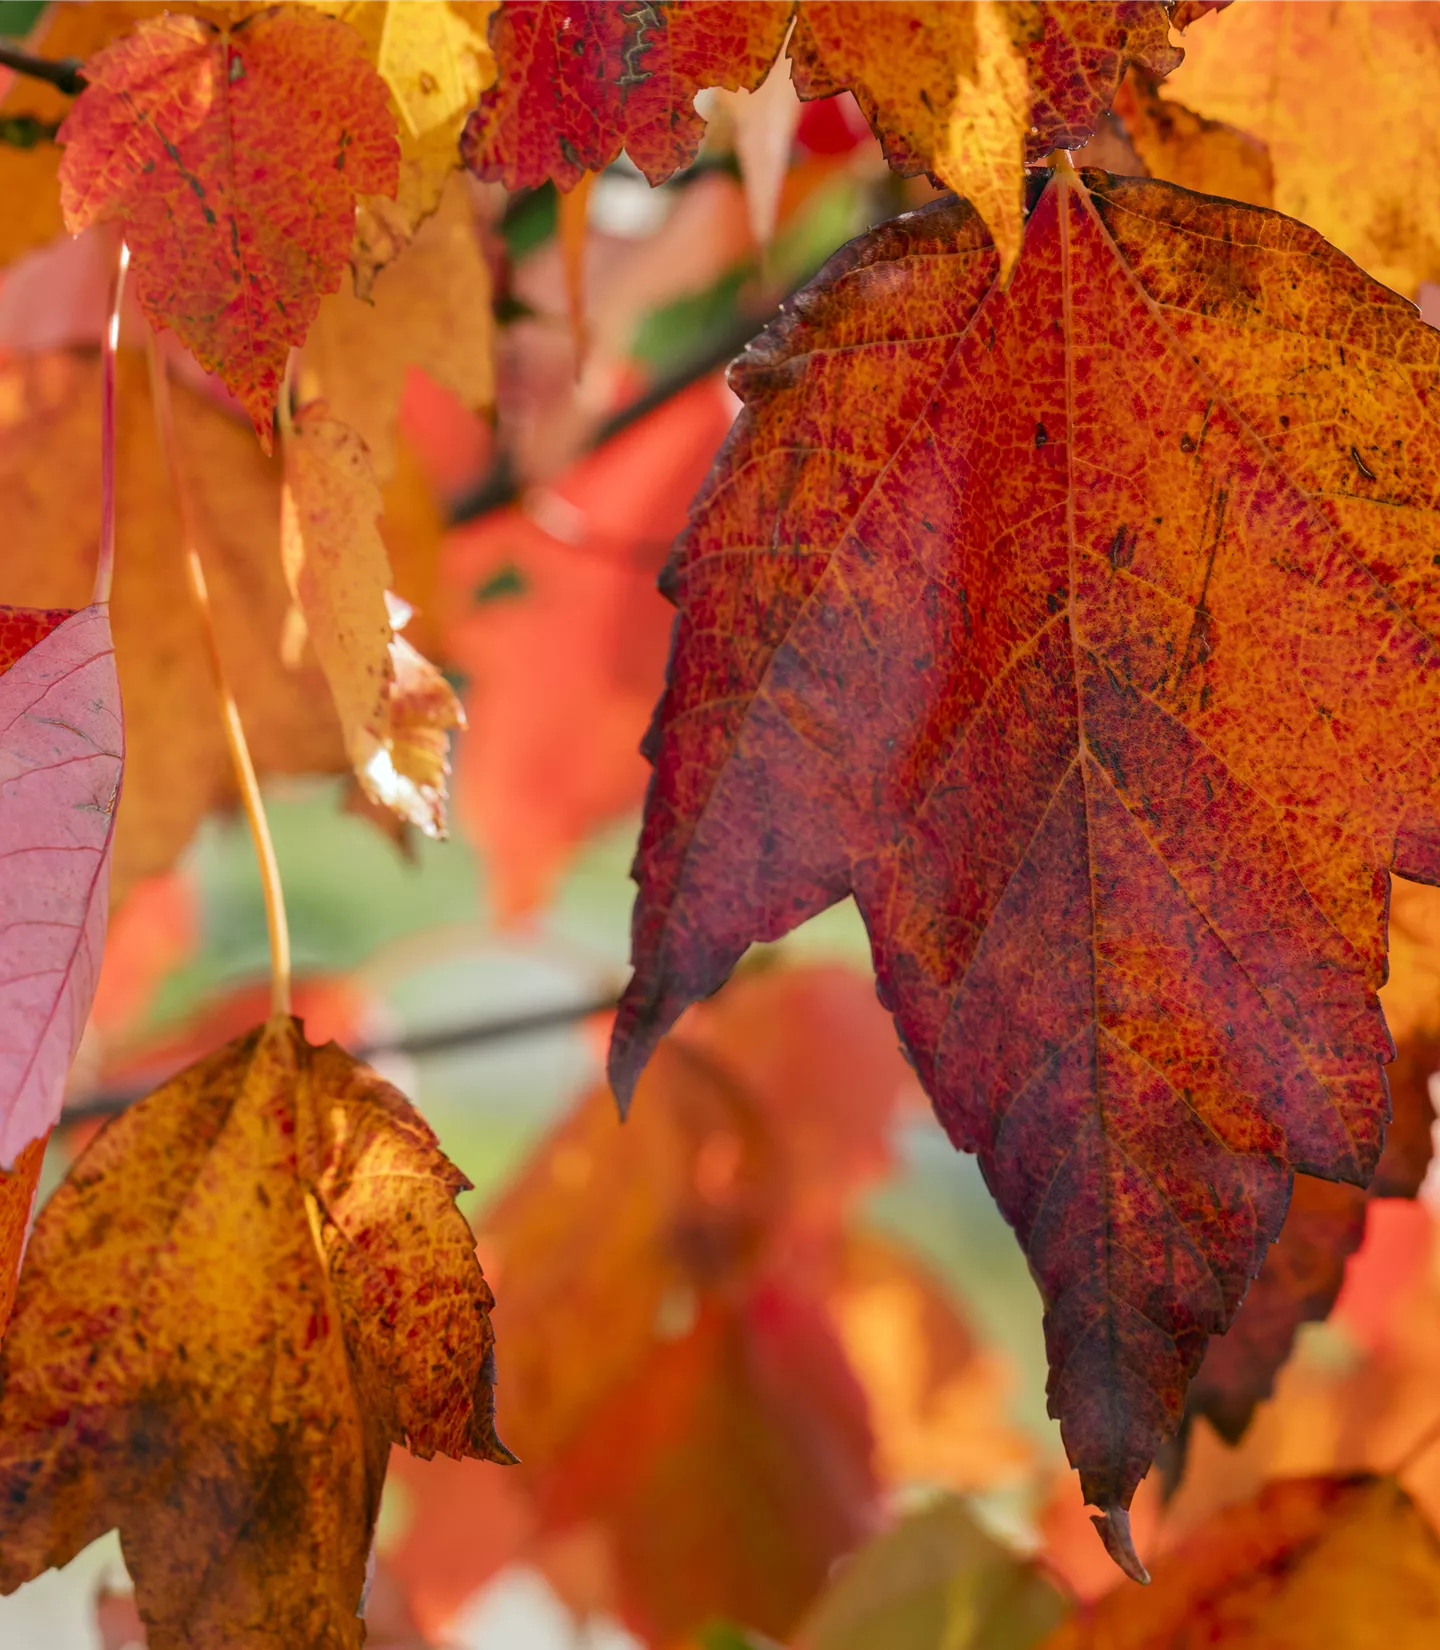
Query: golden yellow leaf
x=395, y=708
x=431, y=310
x=937, y=1400
x=436, y=60
x=1174, y=143
x=177, y=767
x=250, y=1285
x=30, y=190
x=29, y=177
x=980, y=146
x=1342, y=96
x=337, y=568
x=1411, y=995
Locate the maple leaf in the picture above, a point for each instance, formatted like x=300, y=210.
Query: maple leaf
x=17, y=1196
x=1122, y=849
x=1185, y=12
x=965, y=92
x=1326, y=1223
x=177, y=765
x=62, y=753
x=937, y=1399
x=248, y=1286
x=704, y=1235
x=579, y=80
x=1174, y=143
x=431, y=311
x=1341, y=1562
x=566, y=667
x=395, y=708
x=1360, y=73
x=30, y=173
x=937, y=1578
x=435, y=60
x=237, y=199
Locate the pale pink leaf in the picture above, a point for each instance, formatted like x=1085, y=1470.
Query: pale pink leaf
x=61, y=757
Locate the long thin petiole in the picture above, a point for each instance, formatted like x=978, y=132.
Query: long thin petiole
x=105, y=566
x=229, y=715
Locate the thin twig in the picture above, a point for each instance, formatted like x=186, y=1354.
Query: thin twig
x=63, y=73
x=1429, y=1436
x=248, y=784
x=26, y=132
x=447, y=1039
x=503, y=486
x=105, y=565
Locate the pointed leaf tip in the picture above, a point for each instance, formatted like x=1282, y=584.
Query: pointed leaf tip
x=1113, y=1525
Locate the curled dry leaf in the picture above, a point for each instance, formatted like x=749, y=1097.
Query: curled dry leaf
x=395, y=708
x=1361, y=75
x=431, y=311
x=191, y=136
x=177, y=765
x=1123, y=856
x=763, y=124
x=1344, y=1562
x=62, y=753
x=411, y=774
x=968, y=93
x=247, y=1287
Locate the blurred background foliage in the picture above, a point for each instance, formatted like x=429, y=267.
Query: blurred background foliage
x=476, y=971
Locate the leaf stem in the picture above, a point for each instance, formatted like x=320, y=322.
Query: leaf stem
x=573, y=229
x=63, y=73
x=249, y=785
x=105, y=565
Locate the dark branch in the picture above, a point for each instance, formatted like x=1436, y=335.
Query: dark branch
x=25, y=132
x=63, y=73
x=502, y=486
x=107, y=1102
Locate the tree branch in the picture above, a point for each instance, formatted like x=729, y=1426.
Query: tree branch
x=25, y=132
x=108, y=1102
x=63, y=73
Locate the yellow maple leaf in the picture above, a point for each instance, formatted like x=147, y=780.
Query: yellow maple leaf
x=250, y=1285
x=1342, y=97
x=431, y=310
x=395, y=708
x=436, y=60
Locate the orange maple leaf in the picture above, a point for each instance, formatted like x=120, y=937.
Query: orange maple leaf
x=232, y=158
